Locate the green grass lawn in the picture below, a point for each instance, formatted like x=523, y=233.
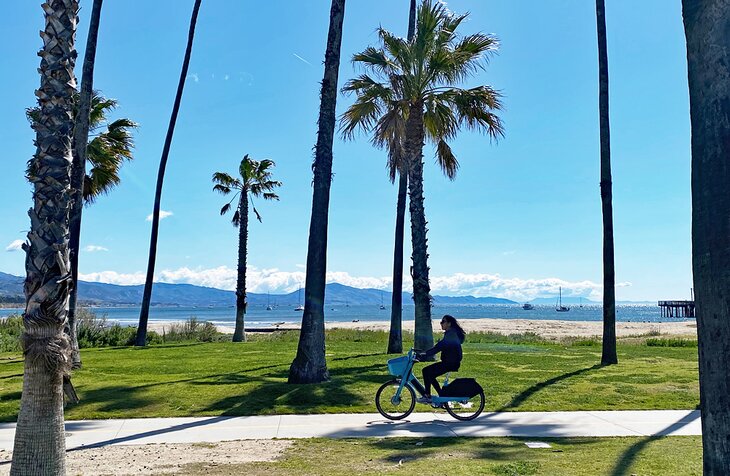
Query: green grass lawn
x=222, y=378
x=479, y=456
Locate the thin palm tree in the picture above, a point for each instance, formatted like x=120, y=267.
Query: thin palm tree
x=409, y=97
x=310, y=364
x=97, y=174
x=255, y=181
x=141, y=338
x=39, y=446
x=609, y=355
x=706, y=23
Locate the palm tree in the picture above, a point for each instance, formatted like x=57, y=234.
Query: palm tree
x=609, y=355
x=310, y=365
x=706, y=23
x=78, y=171
x=410, y=97
x=144, y=312
x=39, y=437
x=255, y=180
x=111, y=144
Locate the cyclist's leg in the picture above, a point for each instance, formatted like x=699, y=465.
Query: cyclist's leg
x=430, y=372
x=444, y=368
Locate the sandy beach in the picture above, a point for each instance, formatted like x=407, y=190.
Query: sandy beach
x=551, y=329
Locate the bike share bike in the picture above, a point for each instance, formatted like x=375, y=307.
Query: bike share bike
x=463, y=398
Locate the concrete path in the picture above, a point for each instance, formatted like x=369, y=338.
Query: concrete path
x=90, y=433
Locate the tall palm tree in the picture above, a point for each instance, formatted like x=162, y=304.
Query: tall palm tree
x=95, y=175
x=78, y=170
x=609, y=355
x=706, y=23
x=255, y=180
x=411, y=93
x=144, y=312
x=310, y=365
x=395, y=336
x=39, y=437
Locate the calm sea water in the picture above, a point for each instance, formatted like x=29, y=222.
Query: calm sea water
x=259, y=316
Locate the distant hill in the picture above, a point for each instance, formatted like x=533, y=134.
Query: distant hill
x=164, y=294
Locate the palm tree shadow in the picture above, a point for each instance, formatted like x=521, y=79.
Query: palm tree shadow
x=629, y=456
x=520, y=398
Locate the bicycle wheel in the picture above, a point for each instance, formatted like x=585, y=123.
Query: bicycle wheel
x=468, y=410
x=392, y=407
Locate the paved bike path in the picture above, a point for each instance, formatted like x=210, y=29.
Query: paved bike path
x=138, y=431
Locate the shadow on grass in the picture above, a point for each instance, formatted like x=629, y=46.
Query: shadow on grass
x=623, y=465
x=521, y=397
x=11, y=376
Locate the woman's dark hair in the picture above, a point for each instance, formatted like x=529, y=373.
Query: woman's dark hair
x=455, y=325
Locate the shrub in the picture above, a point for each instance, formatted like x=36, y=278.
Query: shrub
x=671, y=342
x=192, y=330
x=11, y=329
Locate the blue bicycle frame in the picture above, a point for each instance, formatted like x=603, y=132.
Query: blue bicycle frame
x=407, y=378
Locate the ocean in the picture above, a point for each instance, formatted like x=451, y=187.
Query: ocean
x=259, y=317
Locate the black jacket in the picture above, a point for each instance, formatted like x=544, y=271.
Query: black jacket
x=449, y=346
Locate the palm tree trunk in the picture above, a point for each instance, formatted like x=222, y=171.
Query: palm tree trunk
x=423, y=338
x=395, y=339
x=239, y=335
x=141, y=339
x=78, y=172
x=609, y=273
x=39, y=436
x=706, y=24
x=310, y=365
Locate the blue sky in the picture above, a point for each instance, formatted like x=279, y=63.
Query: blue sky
x=522, y=218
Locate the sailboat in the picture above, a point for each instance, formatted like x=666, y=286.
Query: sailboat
x=559, y=306
x=299, y=299
x=382, y=306
x=268, y=305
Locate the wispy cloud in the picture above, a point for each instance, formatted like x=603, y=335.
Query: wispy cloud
x=95, y=248
x=16, y=245
x=278, y=281
x=163, y=214
x=508, y=252
x=226, y=77
x=301, y=59
x=195, y=77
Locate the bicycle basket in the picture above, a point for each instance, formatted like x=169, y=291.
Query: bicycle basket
x=398, y=365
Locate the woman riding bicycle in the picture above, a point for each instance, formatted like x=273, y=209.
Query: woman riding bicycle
x=450, y=348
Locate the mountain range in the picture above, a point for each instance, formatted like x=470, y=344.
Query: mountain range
x=164, y=294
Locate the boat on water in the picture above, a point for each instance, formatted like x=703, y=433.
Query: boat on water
x=559, y=306
x=528, y=307
x=382, y=306
x=300, y=307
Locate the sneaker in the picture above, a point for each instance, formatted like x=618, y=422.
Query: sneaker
x=426, y=400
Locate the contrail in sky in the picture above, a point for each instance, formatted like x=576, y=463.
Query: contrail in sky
x=302, y=59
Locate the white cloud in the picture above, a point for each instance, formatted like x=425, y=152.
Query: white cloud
x=195, y=77
x=163, y=214
x=95, y=248
x=278, y=281
x=112, y=277
x=16, y=245
x=226, y=77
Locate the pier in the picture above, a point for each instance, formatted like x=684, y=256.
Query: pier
x=677, y=308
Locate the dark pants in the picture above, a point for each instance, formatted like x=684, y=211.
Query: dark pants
x=430, y=372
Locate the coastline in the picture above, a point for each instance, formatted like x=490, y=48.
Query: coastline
x=550, y=329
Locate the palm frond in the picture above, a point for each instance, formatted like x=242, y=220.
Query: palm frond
x=473, y=108
x=375, y=59
x=224, y=183
x=270, y=196
x=446, y=160
x=225, y=208
x=256, y=212
x=236, y=220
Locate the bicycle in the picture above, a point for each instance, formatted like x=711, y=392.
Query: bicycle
x=463, y=398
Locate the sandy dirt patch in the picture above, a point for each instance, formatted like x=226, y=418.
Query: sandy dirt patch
x=551, y=329
x=166, y=458
x=546, y=328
